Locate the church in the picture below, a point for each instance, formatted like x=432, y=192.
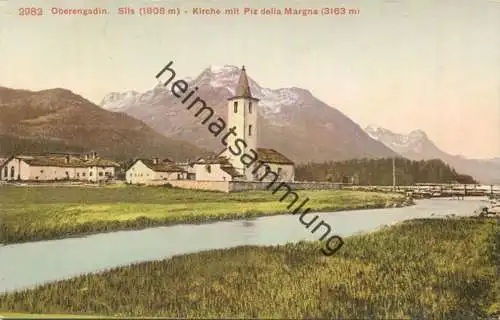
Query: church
x=261, y=164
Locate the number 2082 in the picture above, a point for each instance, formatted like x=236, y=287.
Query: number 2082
x=30, y=11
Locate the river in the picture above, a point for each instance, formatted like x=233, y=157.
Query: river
x=29, y=264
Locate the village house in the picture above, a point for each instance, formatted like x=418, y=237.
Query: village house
x=188, y=168
x=54, y=167
x=219, y=168
x=145, y=171
x=275, y=162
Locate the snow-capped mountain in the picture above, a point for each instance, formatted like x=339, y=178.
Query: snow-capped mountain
x=227, y=76
x=121, y=101
x=220, y=77
x=417, y=146
x=116, y=101
x=291, y=120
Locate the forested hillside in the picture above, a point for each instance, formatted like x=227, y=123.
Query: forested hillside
x=379, y=172
x=58, y=120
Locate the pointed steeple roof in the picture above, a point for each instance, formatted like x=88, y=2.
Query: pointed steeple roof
x=243, y=88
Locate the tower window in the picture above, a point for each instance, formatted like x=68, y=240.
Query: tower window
x=235, y=107
x=250, y=130
x=250, y=107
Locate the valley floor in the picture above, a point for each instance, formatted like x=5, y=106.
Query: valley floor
x=428, y=268
x=41, y=213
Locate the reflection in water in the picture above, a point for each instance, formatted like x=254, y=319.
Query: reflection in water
x=249, y=229
x=28, y=264
x=248, y=224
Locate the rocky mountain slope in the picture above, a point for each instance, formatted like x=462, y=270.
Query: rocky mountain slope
x=291, y=120
x=58, y=120
x=417, y=146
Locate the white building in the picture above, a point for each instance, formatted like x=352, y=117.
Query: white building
x=215, y=169
x=54, y=167
x=143, y=171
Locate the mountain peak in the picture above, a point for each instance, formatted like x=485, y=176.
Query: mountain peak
x=223, y=69
x=228, y=76
x=414, y=135
x=117, y=101
x=414, y=143
x=418, y=134
x=219, y=77
x=374, y=128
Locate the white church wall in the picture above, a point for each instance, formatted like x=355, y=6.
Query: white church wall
x=210, y=172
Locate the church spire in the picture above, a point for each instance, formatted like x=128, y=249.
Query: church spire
x=243, y=89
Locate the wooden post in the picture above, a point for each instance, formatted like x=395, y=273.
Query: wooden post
x=394, y=174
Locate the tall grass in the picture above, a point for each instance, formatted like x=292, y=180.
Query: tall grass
x=429, y=268
x=39, y=213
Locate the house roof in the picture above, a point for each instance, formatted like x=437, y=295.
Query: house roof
x=164, y=166
x=263, y=154
x=212, y=160
x=272, y=156
x=100, y=162
x=243, y=89
x=225, y=165
x=65, y=161
x=203, y=156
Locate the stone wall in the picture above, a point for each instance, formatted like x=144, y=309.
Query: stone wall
x=201, y=185
x=235, y=186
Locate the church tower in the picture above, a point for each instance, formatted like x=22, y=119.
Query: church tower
x=242, y=114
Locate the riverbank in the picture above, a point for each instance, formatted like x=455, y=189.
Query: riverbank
x=34, y=214
x=426, y=268
x=18, y=315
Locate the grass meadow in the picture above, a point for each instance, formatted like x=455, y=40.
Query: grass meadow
x=41, y=213
x=420, y=269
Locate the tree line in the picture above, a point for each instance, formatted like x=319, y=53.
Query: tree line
x=380, y=172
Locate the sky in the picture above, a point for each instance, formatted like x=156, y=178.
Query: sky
x=402, y=65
